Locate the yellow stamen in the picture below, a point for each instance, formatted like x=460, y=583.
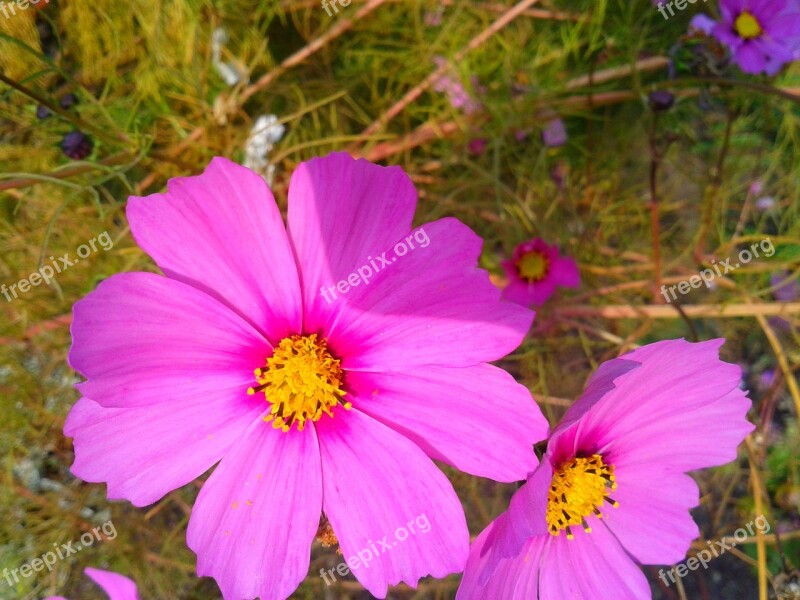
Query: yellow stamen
x=747, y=26
x=326, y=535
x=302, y=381
x=533, y=266
x=578, y=489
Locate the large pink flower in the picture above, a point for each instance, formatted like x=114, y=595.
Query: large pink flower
x=612, y=491
x=319, y=388
x=118, y=587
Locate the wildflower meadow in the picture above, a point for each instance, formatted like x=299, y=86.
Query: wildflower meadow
x=408, y=299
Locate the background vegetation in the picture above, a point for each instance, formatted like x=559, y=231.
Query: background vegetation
x=639, y=197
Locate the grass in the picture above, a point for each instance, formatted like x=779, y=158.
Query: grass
x=364, y=80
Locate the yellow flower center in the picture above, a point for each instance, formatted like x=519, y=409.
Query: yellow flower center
x=747, y=26
x=302, y=381
x=578, y=489
x=533, y=266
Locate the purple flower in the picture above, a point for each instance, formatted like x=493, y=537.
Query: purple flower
x=765, y=204
x=554, y=133
x=786, y=289
x=762, y=35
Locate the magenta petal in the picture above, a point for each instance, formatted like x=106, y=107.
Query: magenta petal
x=702, y=23
x=591, y=567
x=144, y=453
x=377, y=486
x=654, y=405
x=222, y=232
x=652, y=521
x=255, y=518
x=750, y=58
x=115, y=585
x=514, y=579
x=524, y=520
x=692, y=439
x=526, y=512
x=342, y=211
x=141, y=339
x=492, y=421
x=433, y=306
x=564, y=272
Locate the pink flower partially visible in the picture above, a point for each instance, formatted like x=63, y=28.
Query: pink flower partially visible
x=612, y=491
x=535, y=271
x=118, y=587
x=244, y=355
x=459, y=97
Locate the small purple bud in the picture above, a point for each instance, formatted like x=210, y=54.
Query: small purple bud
x=661, y=100
x=67, y=100
x=77, y=145
x=42, y=112
x=476, y=146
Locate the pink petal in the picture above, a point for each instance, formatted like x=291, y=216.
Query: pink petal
x=652, y=521
x=492, y=421
x=255, y=518
x=143, y=339
x=514, y=579
x=590, y=567
x=526, y=515
x=529, y=294
x=146, y=452
x=750, y=58
x=433, y=306
x=601, y=382
x=377, y=486
x=115, y=585
x=564, y=272
x=704, y=437
x=222, y=233
x=341, y=212
x=651, y=409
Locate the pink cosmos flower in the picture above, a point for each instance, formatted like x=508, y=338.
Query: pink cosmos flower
x=762, y=35
x=535, y=271
x=115, y=585
x=612, y=490
x=311, y=401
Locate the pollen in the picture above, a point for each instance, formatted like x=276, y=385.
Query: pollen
x=578, y=489
x=302, y=381
x=747, y=26
x=533, y=266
